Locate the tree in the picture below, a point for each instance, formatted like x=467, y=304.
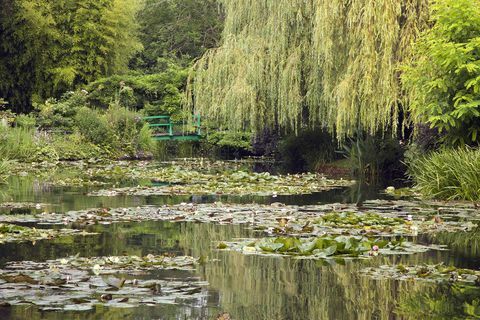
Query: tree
x=48, y=46
x=297, y=63
x=179, y=29
x=27, y=40
x=443, y=78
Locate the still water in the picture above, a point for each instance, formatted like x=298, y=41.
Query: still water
x=244, y=286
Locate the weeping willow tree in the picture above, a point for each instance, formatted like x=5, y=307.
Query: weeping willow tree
x=295, y=63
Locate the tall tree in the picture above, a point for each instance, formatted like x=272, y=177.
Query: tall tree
x=443, y=78
x=180, y=29
x=293, y=63
x=50, y=46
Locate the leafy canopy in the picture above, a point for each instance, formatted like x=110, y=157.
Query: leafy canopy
x=48, y=47
x=298, y=63
x=443, y=78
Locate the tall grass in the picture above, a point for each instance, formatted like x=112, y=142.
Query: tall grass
x=451, y=174
x=17, y=143
x=5, y=167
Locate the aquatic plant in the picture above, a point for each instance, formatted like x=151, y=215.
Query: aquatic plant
x=5, y=167
x=450, y=174
x=326, y=246
x=16, y=233
x=234, y=183
x=78, y=284
x=433, y=273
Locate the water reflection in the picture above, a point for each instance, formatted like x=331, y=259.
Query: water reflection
x=247, y=287
x=62, y=199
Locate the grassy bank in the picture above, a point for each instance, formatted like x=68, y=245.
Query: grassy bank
x=451, y=174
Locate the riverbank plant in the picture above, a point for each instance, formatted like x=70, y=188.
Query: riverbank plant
x=450, y=174
x=5, y=167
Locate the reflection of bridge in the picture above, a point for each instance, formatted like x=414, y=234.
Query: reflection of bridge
x=163, y=129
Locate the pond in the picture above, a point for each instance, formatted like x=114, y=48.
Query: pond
x=246, y=286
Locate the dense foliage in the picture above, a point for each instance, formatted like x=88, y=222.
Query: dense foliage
x=448, y=174
x=326, y=63
x=443, y=78
x=48, y=47
x=180, y=29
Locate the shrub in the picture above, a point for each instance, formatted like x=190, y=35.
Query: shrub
x=145, y=141
x=60, y=114
x=74, y=147
x=94, y=127
x=303, y=152
x=442, y=80
x=450, y=174
x=159, y=93
x=375, y=158
x=229, y=143
x=125, y=125
x=25, y=121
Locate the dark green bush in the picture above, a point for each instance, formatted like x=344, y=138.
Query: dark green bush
x=94, y=127
x=375, y=158
x=159, y=93
x=303, y=152
x=60, y=114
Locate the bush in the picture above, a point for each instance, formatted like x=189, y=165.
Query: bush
x=94, y=127
x=229, y=143
x=442, y=80
x=125, y=125
x=375, y=158
x=119, y=131
x=159, y=93
x=25, y=121
x=306, y=150
x=60, y=114
x=451, y=174
x=74, y=147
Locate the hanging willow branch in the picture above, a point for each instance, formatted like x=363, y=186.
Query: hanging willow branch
x=291, y=63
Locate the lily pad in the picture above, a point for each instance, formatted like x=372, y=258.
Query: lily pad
x=71, y=284
x=431, y=273
x=327, y=246
x=16, y=233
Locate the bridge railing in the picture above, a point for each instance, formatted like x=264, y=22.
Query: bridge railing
x=159, y=122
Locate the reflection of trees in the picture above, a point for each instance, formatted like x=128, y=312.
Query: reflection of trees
x=465, y=243
x=259, y=287
x=440, y=302
x=104, y=313
x=249, y=287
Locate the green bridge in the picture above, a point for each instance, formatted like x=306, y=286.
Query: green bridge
x=163, y=129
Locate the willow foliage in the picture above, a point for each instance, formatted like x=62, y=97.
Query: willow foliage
x=294, y=63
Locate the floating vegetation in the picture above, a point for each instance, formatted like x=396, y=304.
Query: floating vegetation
x=22, y=205
x=434, y=273
x=374, y=223
x=236, y=183
x=178, y=177
x=402, y=192
x=276, y=218
x=15, y=233
x=326, y=246
x=81, y=283
x=113, y=264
